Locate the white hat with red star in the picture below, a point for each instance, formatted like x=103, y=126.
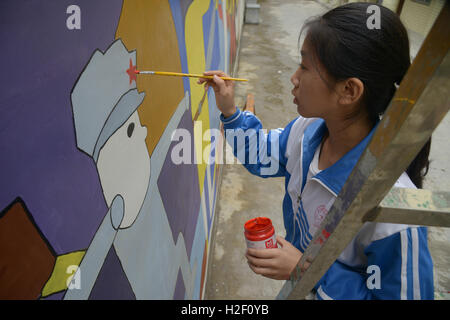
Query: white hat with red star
x=104, y=97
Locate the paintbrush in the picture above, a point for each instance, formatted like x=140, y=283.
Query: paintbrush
x=177, y=74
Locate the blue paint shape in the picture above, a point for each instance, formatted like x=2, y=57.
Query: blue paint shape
x=198, y=248
x=179, y=9
x=207, y=25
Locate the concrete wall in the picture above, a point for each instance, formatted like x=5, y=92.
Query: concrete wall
x=91, y=198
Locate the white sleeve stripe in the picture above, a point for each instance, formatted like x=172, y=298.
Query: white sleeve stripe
x=415, y=259
x=404, y=245
x=322, y=294
x=228, y=122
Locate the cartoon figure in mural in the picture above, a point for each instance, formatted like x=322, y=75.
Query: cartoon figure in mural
x=108, y=128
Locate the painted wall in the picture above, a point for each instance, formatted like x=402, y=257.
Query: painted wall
x=90, y=197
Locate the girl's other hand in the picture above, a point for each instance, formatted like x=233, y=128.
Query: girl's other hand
x=223, y=89
x=275, y=263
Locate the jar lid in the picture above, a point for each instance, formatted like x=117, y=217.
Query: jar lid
x=258, y=225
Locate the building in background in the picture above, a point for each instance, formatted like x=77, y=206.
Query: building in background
x=417, y=15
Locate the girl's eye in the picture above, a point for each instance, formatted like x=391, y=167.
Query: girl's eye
x=302, y=67
x=130, y=129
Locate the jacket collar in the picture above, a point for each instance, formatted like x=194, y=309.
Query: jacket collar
x=334, y=176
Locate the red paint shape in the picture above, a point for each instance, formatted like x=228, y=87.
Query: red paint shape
x=325, y=233
x=219, y=8
x=132, y=72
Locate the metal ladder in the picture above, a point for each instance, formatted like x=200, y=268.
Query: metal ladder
x=420, y=103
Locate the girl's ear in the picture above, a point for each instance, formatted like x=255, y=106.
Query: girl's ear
x=350, y=91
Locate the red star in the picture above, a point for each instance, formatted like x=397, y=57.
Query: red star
x=132, y=72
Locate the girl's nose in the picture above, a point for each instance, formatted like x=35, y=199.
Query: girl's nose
x=294, y=79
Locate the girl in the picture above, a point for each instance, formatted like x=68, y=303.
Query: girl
x=347, y=76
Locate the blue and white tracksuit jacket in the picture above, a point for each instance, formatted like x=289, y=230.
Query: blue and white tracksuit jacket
x=399, y=251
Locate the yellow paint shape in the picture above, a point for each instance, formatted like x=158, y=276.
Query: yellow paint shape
x=58, y=280
x=195, y=51
x=148, y=27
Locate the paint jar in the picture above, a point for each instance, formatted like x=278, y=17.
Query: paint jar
x=260, y=234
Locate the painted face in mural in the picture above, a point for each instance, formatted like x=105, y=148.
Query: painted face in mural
x=108, y=128
x=124, y=167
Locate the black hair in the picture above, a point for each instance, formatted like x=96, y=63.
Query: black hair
x=346, y=47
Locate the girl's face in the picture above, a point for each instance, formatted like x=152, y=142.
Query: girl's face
x=311, y=94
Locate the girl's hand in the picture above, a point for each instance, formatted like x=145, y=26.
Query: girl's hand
x=223, y=89
x=274, y=263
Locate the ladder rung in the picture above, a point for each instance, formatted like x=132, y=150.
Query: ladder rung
x=413, y=206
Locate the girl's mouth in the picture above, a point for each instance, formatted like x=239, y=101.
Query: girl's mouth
x=295, y=98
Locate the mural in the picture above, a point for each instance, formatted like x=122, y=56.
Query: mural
x=91, y=204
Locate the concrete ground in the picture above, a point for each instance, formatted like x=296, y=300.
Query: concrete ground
x=268, y=57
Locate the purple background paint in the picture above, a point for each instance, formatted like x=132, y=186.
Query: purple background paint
x=112, y=283
x=40, y=62
x=179, y=189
